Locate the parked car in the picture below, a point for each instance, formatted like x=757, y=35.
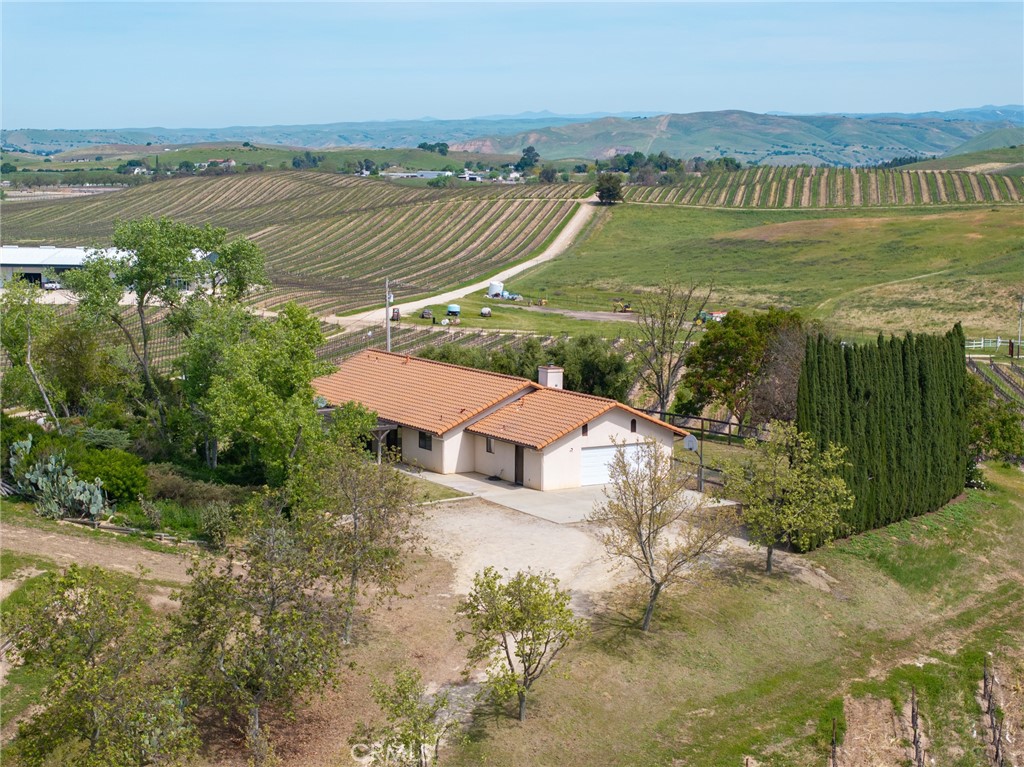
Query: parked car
x=52, y=286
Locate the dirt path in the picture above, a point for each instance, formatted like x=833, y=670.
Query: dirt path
x=926, y=196
x=561, y=243
x=582, y=315
x=857, y=198
x=867, y=288
x=113, y=554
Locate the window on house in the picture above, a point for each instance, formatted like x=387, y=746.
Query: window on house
x=490, y=445
x=632, y=426
x=586, y=428
x=426, y=441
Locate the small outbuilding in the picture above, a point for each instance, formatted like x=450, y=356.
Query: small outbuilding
x=453, y=419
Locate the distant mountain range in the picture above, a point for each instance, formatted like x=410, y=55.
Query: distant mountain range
x=762, y=138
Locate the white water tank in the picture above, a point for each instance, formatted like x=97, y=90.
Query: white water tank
x=495, y=288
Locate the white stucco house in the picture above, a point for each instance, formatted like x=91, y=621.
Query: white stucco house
x=452, y=419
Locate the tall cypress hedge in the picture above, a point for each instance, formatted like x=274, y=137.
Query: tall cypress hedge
x=898, y=407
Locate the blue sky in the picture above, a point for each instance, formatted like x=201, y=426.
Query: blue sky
x=215, y=64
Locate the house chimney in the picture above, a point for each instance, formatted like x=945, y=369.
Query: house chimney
x=550, y=375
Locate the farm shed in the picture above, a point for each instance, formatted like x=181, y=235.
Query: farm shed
x=32, y=261
x=452, y=419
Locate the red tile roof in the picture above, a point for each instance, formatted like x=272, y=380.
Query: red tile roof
x=436, y=397
x=421, y=394
x=546, y=415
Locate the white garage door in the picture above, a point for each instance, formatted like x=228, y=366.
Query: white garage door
x=595, y=463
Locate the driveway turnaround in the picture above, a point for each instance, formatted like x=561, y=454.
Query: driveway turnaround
x=563, y=507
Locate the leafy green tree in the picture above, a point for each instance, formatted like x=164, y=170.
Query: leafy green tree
x=213, y=331
x=258, y=631
x=239, y=268
x=372, y=503
x=609, y=188
x=650, y=520
x=112, y=700
x=8, y=167
x=529, y=159
x=727, y=364
x=415, y=725
x=23, y=319
x=662, y=336
x=261, y=395
x=519, y=627
x=94, y=378
x=156, y=264
x=593, y=366
x=995, y=425
x=549, y=174
x=792, y=492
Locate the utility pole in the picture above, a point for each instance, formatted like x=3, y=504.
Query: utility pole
x=387, y=311
x=1020, y=322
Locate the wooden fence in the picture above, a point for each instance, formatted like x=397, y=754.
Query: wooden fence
x=711, y=428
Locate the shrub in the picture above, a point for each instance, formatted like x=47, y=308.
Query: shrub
x=217, y=523
x=166, y=484
x=123, y=474
x=103, y=439
x=16, y=430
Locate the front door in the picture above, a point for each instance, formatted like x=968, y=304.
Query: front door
x=519, y=464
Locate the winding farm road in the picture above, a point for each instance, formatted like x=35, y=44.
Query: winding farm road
x=376, y=317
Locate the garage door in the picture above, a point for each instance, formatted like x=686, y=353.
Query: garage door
x=595, y=463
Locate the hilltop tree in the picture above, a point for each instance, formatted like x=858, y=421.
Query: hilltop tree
x=529, y=159
x=609, y=188
x=519, y=627
x=792, y=492
x=650, y=520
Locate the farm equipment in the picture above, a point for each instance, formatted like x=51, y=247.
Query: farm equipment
x=621, y=307
x=454, y=310
x=703, y=318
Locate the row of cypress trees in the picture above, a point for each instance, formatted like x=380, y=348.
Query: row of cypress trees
x=898, y=406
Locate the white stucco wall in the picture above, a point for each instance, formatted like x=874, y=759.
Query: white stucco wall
x=533, y=468
x=562, y=458
x=501, y=463
x=431, y=460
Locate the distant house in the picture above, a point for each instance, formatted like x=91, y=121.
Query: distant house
x=222, y=163
x=448, y=419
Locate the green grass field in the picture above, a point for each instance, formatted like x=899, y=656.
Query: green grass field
x=891, y=271
x=758, y=666
x=331, y=240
